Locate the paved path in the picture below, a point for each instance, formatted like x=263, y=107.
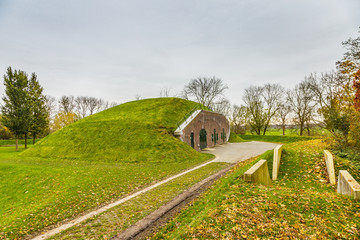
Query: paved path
x=235, y=152
x=230, y=152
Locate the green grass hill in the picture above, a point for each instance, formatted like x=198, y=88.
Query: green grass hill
x=137, y=131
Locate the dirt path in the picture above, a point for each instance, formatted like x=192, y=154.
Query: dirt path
x=230, y=152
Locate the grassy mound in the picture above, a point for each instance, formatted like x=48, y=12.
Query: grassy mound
x=136, y=131
x=235, y=138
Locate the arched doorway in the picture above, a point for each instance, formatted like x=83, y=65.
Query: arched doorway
x=203, y=143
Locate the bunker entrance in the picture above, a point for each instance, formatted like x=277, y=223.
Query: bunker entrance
x=203, y=143
x=192, y=140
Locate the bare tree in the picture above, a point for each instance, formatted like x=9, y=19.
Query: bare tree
x=272, y=95
x=113, y=104
x=204, y=90
x=51, y=105
x=283, y=112
x=137, y=97
x=165, y=92
x=82, y=105
x=238, y=118
x=222, y=106
x=67, y=104
x=255, y=108
x=93, y=105
x=301, y=100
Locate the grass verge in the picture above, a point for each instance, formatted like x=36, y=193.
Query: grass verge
x=38, y=192
x=300, y=204
x=112, y=222
x=235, y=138
x=275, y=139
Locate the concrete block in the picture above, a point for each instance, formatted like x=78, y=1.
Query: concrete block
x=330, y=166
x=276, y=161
x=259, y=173
x=347, y=185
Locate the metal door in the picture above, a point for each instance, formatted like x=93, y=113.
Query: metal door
x=215, y=137
x=203, y=143
x=192, y=140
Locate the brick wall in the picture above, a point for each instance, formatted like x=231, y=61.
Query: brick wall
x=208, y=121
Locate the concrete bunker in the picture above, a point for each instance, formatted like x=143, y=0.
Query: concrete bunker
x=203, y=129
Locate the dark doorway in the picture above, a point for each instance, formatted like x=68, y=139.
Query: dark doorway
x=192, y=140
x=223, y=135
x=215, y=137
x=203, y=143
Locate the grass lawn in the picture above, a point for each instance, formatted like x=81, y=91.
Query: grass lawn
x=275, y=138
x=38, y=192
x=92, y=162
x=21, y=142
x=112, y=222
x=300, y=204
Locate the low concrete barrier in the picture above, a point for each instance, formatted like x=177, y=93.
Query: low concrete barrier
x=259, y=173
x=330, y=166
x=276, y=161
x=347, y=185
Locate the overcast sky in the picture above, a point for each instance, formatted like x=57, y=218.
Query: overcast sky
x=119, y=49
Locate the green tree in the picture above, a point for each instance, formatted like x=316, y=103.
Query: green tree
x=39, y=121
x=16, y=110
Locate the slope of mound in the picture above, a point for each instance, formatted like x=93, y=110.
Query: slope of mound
x=131, y=132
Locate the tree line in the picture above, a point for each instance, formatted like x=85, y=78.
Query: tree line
x=27, y=112
x=330, y=100
x=24, y=110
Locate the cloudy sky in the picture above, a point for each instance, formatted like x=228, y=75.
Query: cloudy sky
x=117, y=49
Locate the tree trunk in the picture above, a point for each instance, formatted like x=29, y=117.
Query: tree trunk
x=34, y=137
x=17, y=144
x=308, y=128
x=25, y=141
x=283, y=128
x=301, y=129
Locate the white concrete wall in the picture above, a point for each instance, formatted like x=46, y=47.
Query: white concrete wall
x=276, y=161
x=329, y=160
x=347, y=185
x=259, y=173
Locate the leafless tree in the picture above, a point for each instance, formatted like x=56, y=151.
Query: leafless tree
x=238, y=118
x=51, y=105
x=67, y=104
x=302, y=102
x=113, y=104
x=94, y=104
x=222, y=106
x=283, y=112
x=272, y=95
x=137, y=97
x=255, y=108
x=165, y=92
x=82, y=105
x=204, y=90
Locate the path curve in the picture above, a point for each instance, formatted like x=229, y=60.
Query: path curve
x=229, y=152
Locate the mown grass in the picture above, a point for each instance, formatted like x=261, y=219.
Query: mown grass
x=12, y=142
x=35, y=193
x=114, y=221
x=136, y=131
x=275, y=138
x=299, y=205
x=90, y=163
x=235, y=138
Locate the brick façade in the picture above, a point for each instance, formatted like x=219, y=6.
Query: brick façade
x=208, y=121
